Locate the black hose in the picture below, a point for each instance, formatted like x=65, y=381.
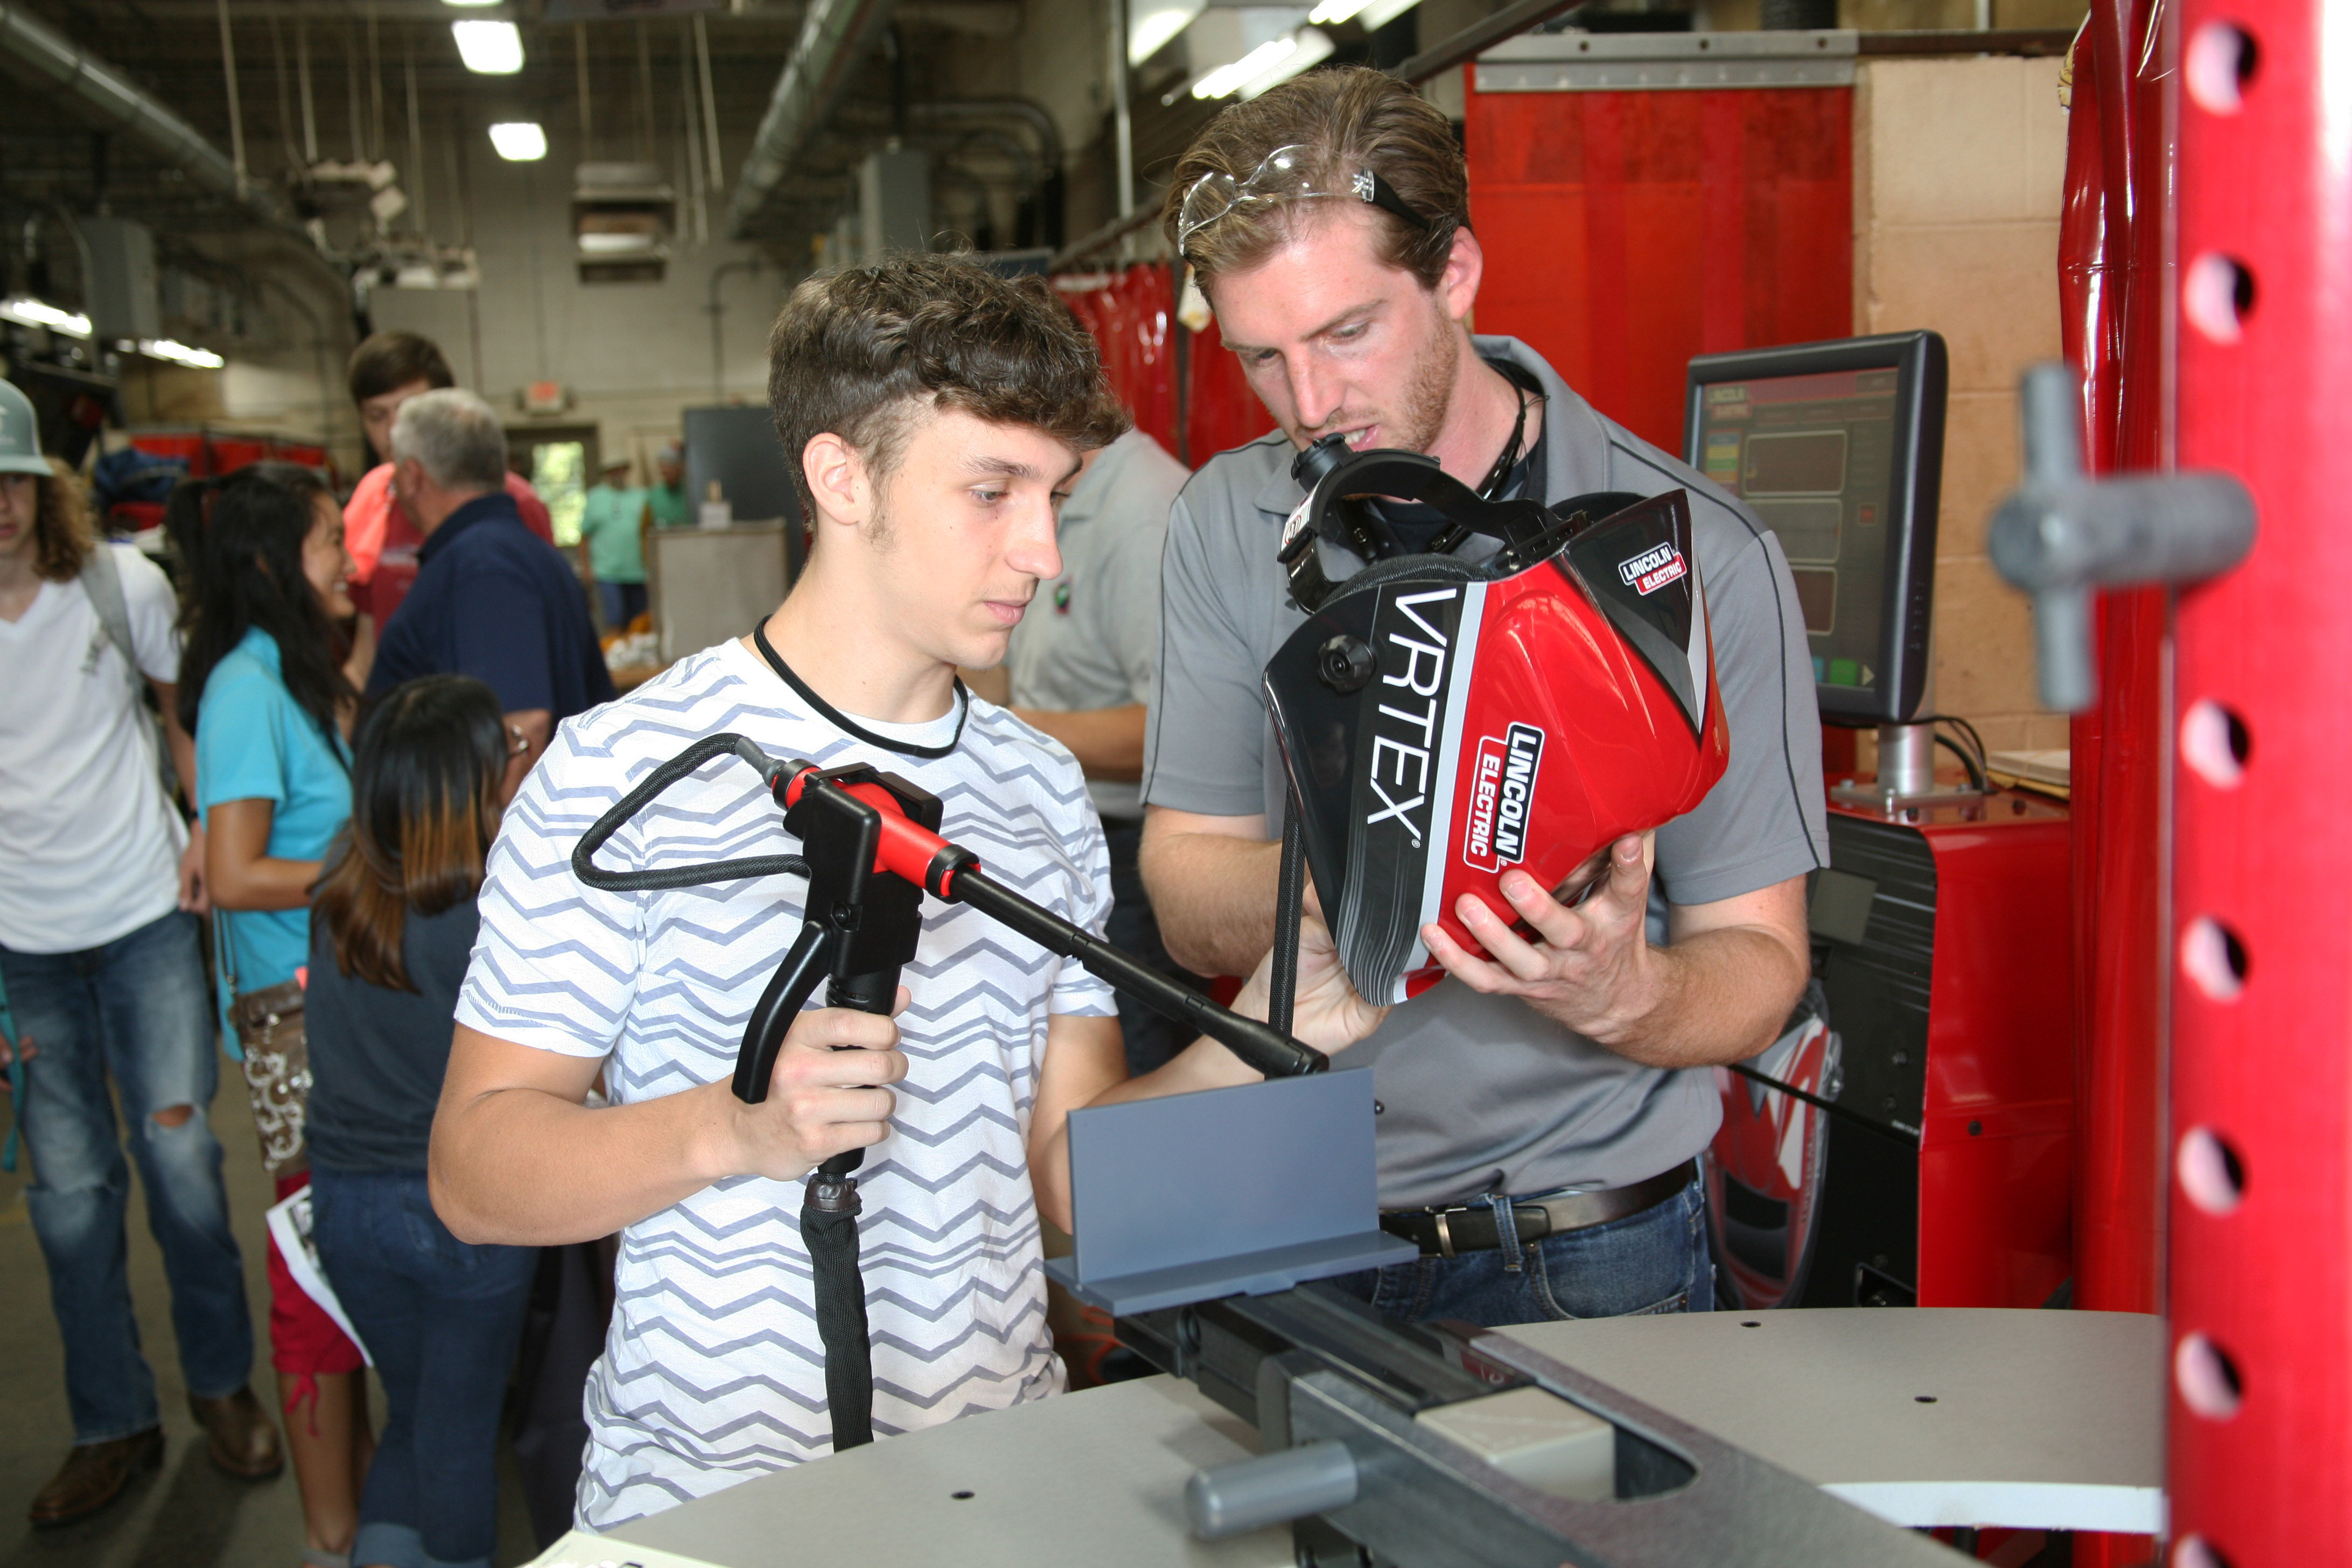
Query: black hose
x=583, y=862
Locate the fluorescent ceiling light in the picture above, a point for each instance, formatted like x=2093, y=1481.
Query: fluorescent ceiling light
x=1380, y=13
x=1310, y=47
x=181, y=354
x=1227, y=79
x=519, y=141
x=639, y=244
x=1332, y=13
x=1150, y=31
x=493, y=49
x=32, y=313
x=469, y=2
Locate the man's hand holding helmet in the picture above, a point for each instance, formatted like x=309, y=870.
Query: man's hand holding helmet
x=1589, y=965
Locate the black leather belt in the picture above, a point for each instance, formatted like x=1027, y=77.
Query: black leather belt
x=1470, y=1228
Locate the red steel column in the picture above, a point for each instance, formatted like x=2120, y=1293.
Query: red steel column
x=2117, y=283
x=2258, y=1279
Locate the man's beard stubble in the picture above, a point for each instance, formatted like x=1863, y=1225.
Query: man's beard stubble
x=1429, y=396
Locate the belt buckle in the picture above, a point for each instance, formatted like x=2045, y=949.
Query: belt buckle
x=1444, y=1235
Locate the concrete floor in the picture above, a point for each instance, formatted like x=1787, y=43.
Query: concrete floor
x=188, y=1514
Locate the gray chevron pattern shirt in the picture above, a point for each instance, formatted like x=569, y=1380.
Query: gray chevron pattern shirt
x=712, y=1371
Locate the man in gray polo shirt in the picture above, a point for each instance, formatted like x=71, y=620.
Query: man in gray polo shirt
x=1541, y=1111
x=1080, y=669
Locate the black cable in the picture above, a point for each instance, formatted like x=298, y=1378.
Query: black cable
x=584, y=864
x=1975, y=769
x=1289, y=911
x=1983, y=757
x=1270, y=1051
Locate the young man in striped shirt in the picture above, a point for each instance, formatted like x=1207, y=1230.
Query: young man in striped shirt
x=937, y=413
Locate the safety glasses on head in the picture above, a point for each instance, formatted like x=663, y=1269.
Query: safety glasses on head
x=1286, y=174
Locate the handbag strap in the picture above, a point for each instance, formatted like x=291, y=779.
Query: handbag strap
x=225, y=980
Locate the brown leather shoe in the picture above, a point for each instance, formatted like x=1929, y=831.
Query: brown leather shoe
x=239, y=1434
x=94, y=1475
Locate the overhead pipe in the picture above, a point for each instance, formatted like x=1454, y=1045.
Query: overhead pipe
x=1027, y=110
x=834, y=36
x=57, y=60
x=1031, y=113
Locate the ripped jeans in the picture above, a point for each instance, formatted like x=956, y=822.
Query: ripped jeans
x=135, y=1010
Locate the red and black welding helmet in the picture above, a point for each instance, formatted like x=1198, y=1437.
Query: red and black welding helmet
x=1442, y=719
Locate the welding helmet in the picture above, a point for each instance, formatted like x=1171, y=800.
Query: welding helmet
x=1442, y=719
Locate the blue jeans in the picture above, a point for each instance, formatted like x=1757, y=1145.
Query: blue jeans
x=1655, y=1261
x=441, y=1319
x=134, y=1009
x=621, y=602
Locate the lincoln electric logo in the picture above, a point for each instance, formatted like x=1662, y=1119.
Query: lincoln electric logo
x=1502, y=793
x=1400, y=762
x=1653, y=570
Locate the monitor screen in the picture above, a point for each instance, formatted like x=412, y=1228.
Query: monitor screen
x=1837, y=450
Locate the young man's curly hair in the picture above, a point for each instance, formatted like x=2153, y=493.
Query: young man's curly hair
x=856, y=353
x=62, y=535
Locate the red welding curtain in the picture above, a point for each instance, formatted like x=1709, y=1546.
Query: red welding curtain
x=1132, y=314
x=1219, y=409
x=1625, y=232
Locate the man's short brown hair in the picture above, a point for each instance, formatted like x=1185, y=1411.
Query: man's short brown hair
x=1352, y=119
x=854, y=352
x=386, y=362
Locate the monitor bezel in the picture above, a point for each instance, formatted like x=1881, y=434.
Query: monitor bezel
x=1922, y=377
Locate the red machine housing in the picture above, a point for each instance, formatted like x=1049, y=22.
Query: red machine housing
x=1945, y=949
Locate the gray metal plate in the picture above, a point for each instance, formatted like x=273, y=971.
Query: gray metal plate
x=1229, y=1191
x=1608, y=62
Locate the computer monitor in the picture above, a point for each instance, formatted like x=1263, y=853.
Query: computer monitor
x=1838, y=448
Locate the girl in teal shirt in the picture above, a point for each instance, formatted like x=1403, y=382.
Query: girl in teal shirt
x=262, y=687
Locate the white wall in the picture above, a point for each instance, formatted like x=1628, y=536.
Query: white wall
x=631, y=354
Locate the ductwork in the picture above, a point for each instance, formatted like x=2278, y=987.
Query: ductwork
x=51, y=58
x=834, y=36
x=1028, y=111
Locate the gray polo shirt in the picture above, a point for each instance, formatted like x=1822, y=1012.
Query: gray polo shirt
x=1092, y=634
x=1478, y=1093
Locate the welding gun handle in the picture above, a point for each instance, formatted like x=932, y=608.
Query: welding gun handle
x=875, y=992
x=764, y=1036
x=1265, y=1050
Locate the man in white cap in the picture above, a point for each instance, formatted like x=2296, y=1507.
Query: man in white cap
x=100, y=978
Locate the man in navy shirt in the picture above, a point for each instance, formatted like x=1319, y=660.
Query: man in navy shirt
x=491, y=600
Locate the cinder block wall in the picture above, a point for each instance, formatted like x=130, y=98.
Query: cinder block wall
x=1959, y=167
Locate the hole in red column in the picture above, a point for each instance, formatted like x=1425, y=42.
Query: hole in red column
x=2214, y=743
x=2216, y=66
x=2217, y=296
x=2196, y=1551
x=2211, y=1174
x=2207, y=1378
x=2213, y=959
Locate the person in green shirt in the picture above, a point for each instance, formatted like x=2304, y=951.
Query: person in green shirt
x=667, y=500
x=612, y=547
